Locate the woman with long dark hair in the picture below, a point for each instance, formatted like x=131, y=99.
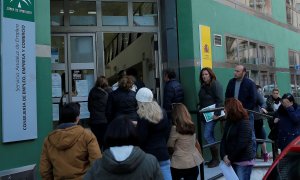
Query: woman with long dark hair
x=288, y=119
x=211, y=92
x=185, y=157
x=97, y=104
x=236, y=145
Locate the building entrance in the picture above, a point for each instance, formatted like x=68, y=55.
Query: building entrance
x=94, y=38
x=73, y=69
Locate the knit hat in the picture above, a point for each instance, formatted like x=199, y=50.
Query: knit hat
x=144, y=95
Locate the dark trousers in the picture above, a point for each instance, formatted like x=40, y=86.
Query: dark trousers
x=186, y=174
x=99, y=131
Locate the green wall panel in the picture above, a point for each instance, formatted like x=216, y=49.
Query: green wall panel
x=42, y=19
x=23, y=153
x=283, y=81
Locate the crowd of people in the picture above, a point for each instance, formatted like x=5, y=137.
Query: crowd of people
x=133, y=137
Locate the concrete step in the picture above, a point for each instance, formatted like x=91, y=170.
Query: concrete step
x=258, y=171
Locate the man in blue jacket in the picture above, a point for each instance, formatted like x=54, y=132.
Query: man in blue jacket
x=173, y=92
x=243, y=89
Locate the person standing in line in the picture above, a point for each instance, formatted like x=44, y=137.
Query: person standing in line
x=69, y=150
x=122, y=74
x=288, y=119
x=122, y=101
x=123, y=159
x=182, y=141
x=153, y=129
x=211, y=92
x=173, y=91
x=236, y=145
x=260, y=132
x=242, y=88
x=273, y=102
x=96, y=105
x=136, y=80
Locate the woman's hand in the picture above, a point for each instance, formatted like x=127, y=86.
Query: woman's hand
x=226, y=160
x=215, y=117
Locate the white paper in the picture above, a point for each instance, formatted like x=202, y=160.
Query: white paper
x=56, y=85
x=209, y=115
x=55, y=112
x=82, y=87
x=84, y=111
x=228, y=171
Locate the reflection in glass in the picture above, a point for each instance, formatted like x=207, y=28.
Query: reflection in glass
x=243, y=51
x=270, y=56
x=114, y=13
x=57, y=49
x=253, y=55
x=262, y=55
x=231, y=49
x=83, y=13
x=144, y=14
x=82, y=49
x=291, y=58
x=57, y=12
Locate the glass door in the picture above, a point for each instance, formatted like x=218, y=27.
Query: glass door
x=81, y=48
x=73, y=70
x=59, y=74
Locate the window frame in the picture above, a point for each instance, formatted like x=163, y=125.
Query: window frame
x=258, y=45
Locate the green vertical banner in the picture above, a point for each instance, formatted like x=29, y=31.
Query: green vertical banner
x=18, y=71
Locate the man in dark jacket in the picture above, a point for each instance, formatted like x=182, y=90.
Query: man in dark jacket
x=173, y=91
x=243, y=89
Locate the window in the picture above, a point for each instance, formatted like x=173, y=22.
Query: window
x=294, y=63
x=293, y=12
x=263, y=78
x=249, y=52
x=262, y=6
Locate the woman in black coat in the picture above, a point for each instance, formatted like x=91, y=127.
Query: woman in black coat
x=97, y=104
x=122, y=101
x=236, y=145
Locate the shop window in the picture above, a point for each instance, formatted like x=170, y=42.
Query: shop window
x=83, y=13
x=248, y=52
x=144, y=14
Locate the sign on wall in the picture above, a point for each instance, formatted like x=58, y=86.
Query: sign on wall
x=205, y=46
x=18, y=70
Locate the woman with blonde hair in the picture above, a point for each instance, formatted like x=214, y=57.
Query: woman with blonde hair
x=153, y=129
x=122, y=101
x=186, y=157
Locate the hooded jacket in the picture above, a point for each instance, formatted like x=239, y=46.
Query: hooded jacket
x=138, y=165
x=68, y=153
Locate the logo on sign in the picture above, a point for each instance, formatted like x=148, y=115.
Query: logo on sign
x=20, y=2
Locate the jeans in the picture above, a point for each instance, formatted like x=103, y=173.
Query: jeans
x=165, y=169
x=251, y=119
x=242, y=172
x=209, y=128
